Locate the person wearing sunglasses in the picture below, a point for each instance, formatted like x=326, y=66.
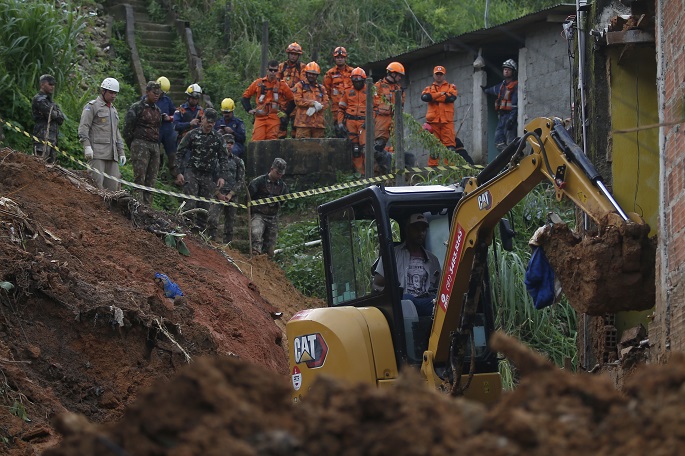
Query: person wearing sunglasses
x=274, y=100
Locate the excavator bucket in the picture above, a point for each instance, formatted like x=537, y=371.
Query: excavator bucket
x=608, y=272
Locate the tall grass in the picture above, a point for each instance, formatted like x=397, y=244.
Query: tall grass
x=551, y=331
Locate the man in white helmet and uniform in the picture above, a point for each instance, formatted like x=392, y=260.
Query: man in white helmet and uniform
x=506, y=104
x=98, y=131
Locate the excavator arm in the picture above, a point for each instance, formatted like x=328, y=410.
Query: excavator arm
x=552, y=156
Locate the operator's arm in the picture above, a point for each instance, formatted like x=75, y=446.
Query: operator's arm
x=451, y=94
x=239, y=131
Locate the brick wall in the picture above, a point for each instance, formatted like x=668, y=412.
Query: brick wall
x=667, y=331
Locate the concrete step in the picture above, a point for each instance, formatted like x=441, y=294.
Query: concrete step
x=166, y=35
x=153, y=26
x=157, y=43
x=140, y=17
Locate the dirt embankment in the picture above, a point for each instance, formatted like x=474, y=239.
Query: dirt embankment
x=219, y=407
x=86, y=328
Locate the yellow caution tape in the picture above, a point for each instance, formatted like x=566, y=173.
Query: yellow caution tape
x=274, y=199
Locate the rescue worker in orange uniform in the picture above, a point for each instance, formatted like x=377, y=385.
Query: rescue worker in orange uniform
x=440, y=96
x=291, y=72
x=352, y=117
x=310, y=101
x=337, y=81
x=383, y=106
x=274, y=100
x=506, y=105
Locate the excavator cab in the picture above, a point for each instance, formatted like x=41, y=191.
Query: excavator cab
x=357, y=231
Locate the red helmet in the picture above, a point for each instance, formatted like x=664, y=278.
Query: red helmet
x=358, y=73
x=293, y=48
x=312, y=67
x=395, y=67
x=340, y=51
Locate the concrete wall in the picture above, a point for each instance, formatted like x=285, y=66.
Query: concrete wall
x=544, y=75
x=667, y=331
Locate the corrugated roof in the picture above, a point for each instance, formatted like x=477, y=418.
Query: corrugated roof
x=477, y=38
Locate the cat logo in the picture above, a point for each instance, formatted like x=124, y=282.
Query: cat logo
x=311, y=350
x=485, y=201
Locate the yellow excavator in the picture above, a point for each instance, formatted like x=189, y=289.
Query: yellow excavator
x=368, y=334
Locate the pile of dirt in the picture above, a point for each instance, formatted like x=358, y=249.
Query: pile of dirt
x=609, y=272
x=84, y=325
x=225, y=406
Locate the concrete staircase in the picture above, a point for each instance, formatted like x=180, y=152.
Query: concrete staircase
x=160, y=49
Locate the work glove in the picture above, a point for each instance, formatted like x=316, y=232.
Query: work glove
x=341, y=129
x=88, y=152
x=483, y=88
x=318, y=106
x=311, y=111
x=122, y=160
x=284, y=122
x=281, y=114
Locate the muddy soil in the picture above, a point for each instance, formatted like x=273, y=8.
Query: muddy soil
x=608, y=272
x=226, y=406
x=85, y=327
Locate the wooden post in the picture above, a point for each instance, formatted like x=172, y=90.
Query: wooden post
x=399, y=139
x=369, y=126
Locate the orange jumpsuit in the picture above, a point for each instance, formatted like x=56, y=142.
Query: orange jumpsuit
x=440, y=114
x=305, y=95
x=337, y=81
x=383, y=104
x=291, y=75
x=267, y=121
x=352, y=113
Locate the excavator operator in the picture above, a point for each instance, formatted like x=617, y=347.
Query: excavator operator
x=418, y=270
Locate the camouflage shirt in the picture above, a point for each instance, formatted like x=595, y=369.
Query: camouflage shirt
x=45, y=111
x=204, y=153
x=263, y=187
x=142, y=122
x=235, y=176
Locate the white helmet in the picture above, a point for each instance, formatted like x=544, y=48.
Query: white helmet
x=194, y=90
x=510, y=64
x=110, y=84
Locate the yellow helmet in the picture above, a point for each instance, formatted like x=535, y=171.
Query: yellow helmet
x=164, y=83
x=227, y=105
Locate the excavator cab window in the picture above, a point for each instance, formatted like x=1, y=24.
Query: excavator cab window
x=353, y=237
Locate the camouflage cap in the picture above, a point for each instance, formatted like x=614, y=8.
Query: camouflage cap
x=229, y=138
x=152, y=85
x=279, y=164
x=50, y=79
x=211, y=115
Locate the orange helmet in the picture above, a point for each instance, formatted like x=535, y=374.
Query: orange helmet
x=358, y=73
x=293, y=48
x=340, y=51
x=395, y=67
x=312, y=67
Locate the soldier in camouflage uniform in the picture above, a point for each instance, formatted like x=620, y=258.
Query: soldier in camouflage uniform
x=235, y=179
x=48, y=118
x=141, y=133
x=202, y=164
x=264, y=221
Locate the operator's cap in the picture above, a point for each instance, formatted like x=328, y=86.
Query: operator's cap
x=439, y=69
x=211, y=115
x=50, y=79
x=152, y=86
x=279, y=164
x=418, y=218
x=229, y=138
